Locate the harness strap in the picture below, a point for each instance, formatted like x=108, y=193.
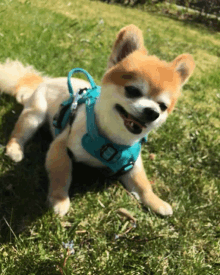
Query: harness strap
x=119, y=158
x=68, y=108
x=90, y=119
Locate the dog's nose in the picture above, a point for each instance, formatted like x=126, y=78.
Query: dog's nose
x=150, y=114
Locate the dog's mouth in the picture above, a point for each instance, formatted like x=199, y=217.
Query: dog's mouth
x=133, y=124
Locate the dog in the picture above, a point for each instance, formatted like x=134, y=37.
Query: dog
x=138, y=92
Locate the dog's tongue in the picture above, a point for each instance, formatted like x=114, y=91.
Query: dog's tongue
x=132, y=125
x=130, y=122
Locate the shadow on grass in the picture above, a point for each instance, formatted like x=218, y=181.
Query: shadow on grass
x=23, y=188
x=197, y=19
x=24, y=185
x=196, y=23
x=32, y=266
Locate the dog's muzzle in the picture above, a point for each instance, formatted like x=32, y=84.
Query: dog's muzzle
x=136, y=125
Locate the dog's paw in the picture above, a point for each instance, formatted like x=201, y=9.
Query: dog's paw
x=165, y=209
x=14, y=151
x=59, y=206
x=157, y=205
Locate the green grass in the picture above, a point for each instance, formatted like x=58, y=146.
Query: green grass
x=56, y=36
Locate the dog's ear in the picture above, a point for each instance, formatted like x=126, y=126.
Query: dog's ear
x=129, y=39
x=184, y=65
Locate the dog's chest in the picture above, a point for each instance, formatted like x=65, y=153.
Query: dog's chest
x=74, y=143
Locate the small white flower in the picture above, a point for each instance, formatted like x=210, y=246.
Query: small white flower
x=69, y=246
x=116, y=237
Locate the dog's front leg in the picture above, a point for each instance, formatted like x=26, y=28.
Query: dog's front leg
x=137, y=183
x=59, y=167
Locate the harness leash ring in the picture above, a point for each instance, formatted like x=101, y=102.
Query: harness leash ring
x=79, y=70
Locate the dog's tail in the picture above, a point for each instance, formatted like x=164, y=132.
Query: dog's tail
x=18, y=80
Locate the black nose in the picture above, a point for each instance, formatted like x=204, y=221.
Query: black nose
x=150, y=114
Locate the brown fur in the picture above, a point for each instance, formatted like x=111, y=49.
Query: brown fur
x=29, y=80
x=59, y=167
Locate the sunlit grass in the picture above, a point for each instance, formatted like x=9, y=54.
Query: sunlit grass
x=54, y=37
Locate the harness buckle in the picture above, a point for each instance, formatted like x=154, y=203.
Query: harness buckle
x=127, y=167
x=115, y=176
x=78, y=96
x=124, y=170
x=108, y=152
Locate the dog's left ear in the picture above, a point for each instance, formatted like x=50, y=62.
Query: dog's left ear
x=184, y=65
x=129, y=39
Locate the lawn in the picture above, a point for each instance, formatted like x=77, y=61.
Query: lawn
x=55, y=36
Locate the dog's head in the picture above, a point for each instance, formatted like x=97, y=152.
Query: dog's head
x=138, y=90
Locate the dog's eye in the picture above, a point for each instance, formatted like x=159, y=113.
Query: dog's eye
x=163, y=106
x=132, y=92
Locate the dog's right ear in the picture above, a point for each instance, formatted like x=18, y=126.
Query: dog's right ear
x=129, y=39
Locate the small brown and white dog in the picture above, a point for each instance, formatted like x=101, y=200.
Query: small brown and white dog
x=136, y=84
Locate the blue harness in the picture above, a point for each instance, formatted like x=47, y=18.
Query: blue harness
x=118, y=158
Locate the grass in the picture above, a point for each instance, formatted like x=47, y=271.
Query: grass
x=56, y=36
